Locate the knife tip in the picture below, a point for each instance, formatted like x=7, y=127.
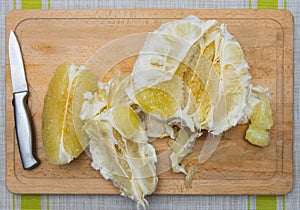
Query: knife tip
x=12, y=34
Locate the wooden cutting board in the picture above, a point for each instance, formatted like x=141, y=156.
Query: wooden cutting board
x=49, y=38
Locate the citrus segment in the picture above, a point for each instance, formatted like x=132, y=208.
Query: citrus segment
x=257, y=136
x=260, y=117
x=85, y=82
x=60, y=116
x=162, y=100
x=126, y=121
x=233, y=54
x=157, y=102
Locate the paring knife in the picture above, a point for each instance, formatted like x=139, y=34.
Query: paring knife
x=21, y=110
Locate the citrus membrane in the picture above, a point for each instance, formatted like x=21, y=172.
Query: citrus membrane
x=130, y=165
x=191, y=75
x=214, y=77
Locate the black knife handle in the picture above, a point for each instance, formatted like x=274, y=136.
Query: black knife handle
x=24, y=130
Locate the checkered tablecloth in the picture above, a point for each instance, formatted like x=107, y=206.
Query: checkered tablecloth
x=291, y=201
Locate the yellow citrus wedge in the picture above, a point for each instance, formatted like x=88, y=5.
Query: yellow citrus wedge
x=257, y=136
x=127, y=122
x=61, y=124
x=163, y=99
x=260, y=117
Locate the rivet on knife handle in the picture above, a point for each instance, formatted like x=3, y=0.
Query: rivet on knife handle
x=23, y=130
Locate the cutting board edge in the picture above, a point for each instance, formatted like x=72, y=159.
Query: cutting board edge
x=12, y=22
x=25, y=186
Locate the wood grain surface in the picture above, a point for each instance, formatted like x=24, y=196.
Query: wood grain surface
x=52, y=37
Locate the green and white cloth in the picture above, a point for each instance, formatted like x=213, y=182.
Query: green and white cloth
x=291, y=201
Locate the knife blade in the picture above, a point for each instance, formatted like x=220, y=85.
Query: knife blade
x=23, y=121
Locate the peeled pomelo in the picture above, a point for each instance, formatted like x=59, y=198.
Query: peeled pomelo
x=61, y=124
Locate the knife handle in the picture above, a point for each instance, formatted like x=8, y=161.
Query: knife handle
x=24, y=130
